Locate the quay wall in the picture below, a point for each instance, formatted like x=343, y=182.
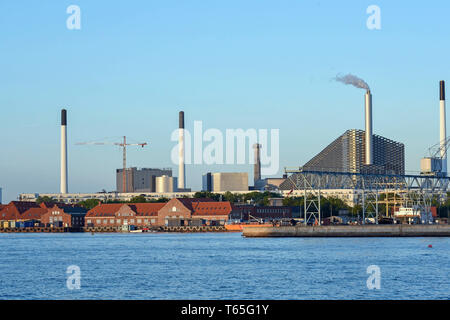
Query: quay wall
x=350, y=231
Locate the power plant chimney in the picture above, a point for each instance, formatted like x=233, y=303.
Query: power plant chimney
x=63, y=187
x=443, y=128
x=257, y=165
x=369, y=138
x=181, y=173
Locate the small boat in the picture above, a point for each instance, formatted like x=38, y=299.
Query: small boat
x=135, y=231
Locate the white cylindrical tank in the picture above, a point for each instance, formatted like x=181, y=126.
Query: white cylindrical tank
x=164, y=184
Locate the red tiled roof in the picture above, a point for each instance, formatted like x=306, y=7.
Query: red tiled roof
x=141, y=209
x=104, y=210
x=147, y=209
x=187, y=202
x=33, y=213
x=211, y=208
x=14, y=209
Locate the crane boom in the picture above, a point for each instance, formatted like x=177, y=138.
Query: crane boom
x=124, y=145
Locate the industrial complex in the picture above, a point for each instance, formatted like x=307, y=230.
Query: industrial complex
x=359, y=167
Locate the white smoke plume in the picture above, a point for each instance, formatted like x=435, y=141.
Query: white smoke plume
x=353, y=80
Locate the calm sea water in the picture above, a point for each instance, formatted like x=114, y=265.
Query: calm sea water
x=221, y=266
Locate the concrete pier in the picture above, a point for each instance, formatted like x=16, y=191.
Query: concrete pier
x=393, y=230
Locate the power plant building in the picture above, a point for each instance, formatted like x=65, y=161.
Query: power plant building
x=347, y=154
x=225, y=181
x=140, y=180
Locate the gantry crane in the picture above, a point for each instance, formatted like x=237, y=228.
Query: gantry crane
x=433, y=164
x=124, y=145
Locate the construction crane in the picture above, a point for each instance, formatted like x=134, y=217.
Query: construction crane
x=124, y=145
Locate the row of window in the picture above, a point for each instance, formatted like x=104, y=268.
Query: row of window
x=119, y=221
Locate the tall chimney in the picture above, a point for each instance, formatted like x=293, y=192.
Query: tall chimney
x=369, y=138
x=181, y=173
x=443, y=128
x=257, y=165
x=63, y=187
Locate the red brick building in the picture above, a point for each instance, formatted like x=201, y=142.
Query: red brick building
x=119, y=214
x=68, y=216
x=207, y=211
x=20, y=211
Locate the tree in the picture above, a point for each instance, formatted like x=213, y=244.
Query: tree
x=89, y=203
x=45, y=199
x=138, y=199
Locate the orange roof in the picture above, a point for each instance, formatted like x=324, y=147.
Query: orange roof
x=141, y=209
x=211, y=208
x=104, y=209
x=147, y=209
x=33, y=213
x=14, y=209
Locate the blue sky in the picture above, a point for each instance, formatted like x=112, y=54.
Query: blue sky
x=232, y=64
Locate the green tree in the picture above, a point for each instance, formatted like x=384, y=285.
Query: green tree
x=45, y=199
x=138, y=199
x=89, y=203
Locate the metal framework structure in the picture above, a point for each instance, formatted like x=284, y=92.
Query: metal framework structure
x=412, y=189
x=347, y=153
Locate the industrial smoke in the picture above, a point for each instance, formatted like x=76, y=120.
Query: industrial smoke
x=353, y=80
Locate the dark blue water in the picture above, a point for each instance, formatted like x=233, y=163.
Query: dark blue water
x=221, y=266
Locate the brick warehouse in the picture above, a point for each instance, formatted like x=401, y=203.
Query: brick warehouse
x=209, y=212
x=35, y=214
x=64, y=216
x=158, y=214
x=118, y=214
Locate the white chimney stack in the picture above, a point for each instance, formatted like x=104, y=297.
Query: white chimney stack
x=63, y=151
x=181, y=173
x=369, y=138
x=443, y=128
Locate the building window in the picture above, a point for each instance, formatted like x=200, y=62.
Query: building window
x=118, y=221
x=98, y=221
x=111, y=221
x=139, y=220
x=131, y=220
x=153, y=220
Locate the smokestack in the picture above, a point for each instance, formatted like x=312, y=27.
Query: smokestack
x=369, y=138
x=181, y=173
x=257, y=165
x=443, y=127
x=63, y=187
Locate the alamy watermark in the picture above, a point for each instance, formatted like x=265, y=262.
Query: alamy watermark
x=74, y=279
x=73, y=22
x=374, y=20
x=213, y=146
x=374, y=280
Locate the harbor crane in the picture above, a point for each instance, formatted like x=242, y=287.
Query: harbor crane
x=124, y=145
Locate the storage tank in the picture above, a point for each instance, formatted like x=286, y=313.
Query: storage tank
x=164, y=184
